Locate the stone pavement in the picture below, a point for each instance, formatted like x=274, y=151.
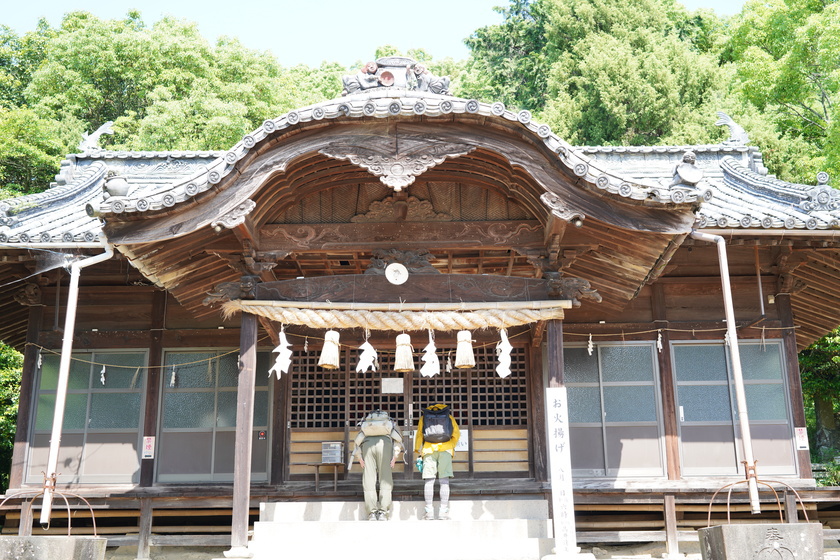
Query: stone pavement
x=641, y=551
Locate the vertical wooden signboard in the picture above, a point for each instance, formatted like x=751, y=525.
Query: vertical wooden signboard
x=560, y=464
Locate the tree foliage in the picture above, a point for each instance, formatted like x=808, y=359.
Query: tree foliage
x=819, y=365
x=600, y=72
x=11, y=362
x=787, y=53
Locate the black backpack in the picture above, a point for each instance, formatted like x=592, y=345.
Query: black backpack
x=437, y=425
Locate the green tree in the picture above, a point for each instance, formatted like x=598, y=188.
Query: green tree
x=509, y=62
x=819, y=365
x=600, y=72
x=19, y=58
x=30, y=152
x=11, y=362
x=788, y=57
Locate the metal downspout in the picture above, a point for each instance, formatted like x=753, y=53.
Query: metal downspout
x=64, y=372
x=737, y=374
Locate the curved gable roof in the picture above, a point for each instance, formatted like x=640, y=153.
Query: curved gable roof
x=396, y=136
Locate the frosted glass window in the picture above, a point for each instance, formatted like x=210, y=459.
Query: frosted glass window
x=766, y=402
x=79, y=372
x=261, y=408
x=579, y=366
x=114, y=411
x=626, y=363
x=228, y=370
x=49, y=372
x=129, y=375
x=630, y=403
x=705, y=403
x=760, y=363
x=193, y=370
x=700, y=362
x=102, y=412
x=226, y=413
x=75, y=415
x=188, y=410
x=264, y=362
x=584, y=404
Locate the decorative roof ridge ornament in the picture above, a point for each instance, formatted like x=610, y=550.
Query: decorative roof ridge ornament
x=397, y=72
x=90, y=142
x=737, y=135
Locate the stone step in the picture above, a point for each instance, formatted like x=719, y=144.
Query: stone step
x=362, y=540
x=460, y=510
x=478, y=530
x=494, y=528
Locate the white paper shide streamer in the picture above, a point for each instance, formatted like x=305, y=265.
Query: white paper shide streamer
x=503, y=349
x=330, y=351
x=368, y=358
x=431, y=364
x=284, y=356
x=464, y=357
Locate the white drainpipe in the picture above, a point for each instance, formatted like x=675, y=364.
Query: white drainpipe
x=737, y=374
x=64, y=372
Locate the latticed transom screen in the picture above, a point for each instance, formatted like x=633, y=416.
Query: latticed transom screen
x=328, y=399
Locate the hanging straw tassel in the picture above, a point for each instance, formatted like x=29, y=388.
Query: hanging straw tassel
x=431, y=364
x=329, y=353
x=404, y=358
x=464, y=357
x=503, y=349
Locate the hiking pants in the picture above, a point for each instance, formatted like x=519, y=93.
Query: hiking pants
x=377, y=451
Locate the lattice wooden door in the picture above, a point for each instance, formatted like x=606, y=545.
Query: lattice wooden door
x=493, y=412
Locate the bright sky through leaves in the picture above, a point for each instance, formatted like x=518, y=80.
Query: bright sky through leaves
x=310, y=32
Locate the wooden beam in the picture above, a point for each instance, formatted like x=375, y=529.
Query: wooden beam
x=427, y=289
x=406, y=235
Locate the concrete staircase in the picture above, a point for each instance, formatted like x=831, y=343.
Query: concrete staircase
x=478, y=530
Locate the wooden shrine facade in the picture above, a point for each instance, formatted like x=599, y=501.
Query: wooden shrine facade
x=480, y=205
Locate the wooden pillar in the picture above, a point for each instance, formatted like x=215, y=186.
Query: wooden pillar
x=244, y=437
x=666, y=382
x=791, y=359
x=145, y=532
x=27, y=386
x=153, y=383
x=537, y=426
x=279, y=429
x=554, y=339
x=26, y=518
x=672, y=544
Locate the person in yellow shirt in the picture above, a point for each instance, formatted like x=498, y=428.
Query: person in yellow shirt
x=437, y=436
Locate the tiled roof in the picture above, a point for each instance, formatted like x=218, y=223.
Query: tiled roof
x=733, y=192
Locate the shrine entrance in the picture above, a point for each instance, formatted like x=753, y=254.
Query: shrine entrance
x=489, y=394
x=491, y=411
